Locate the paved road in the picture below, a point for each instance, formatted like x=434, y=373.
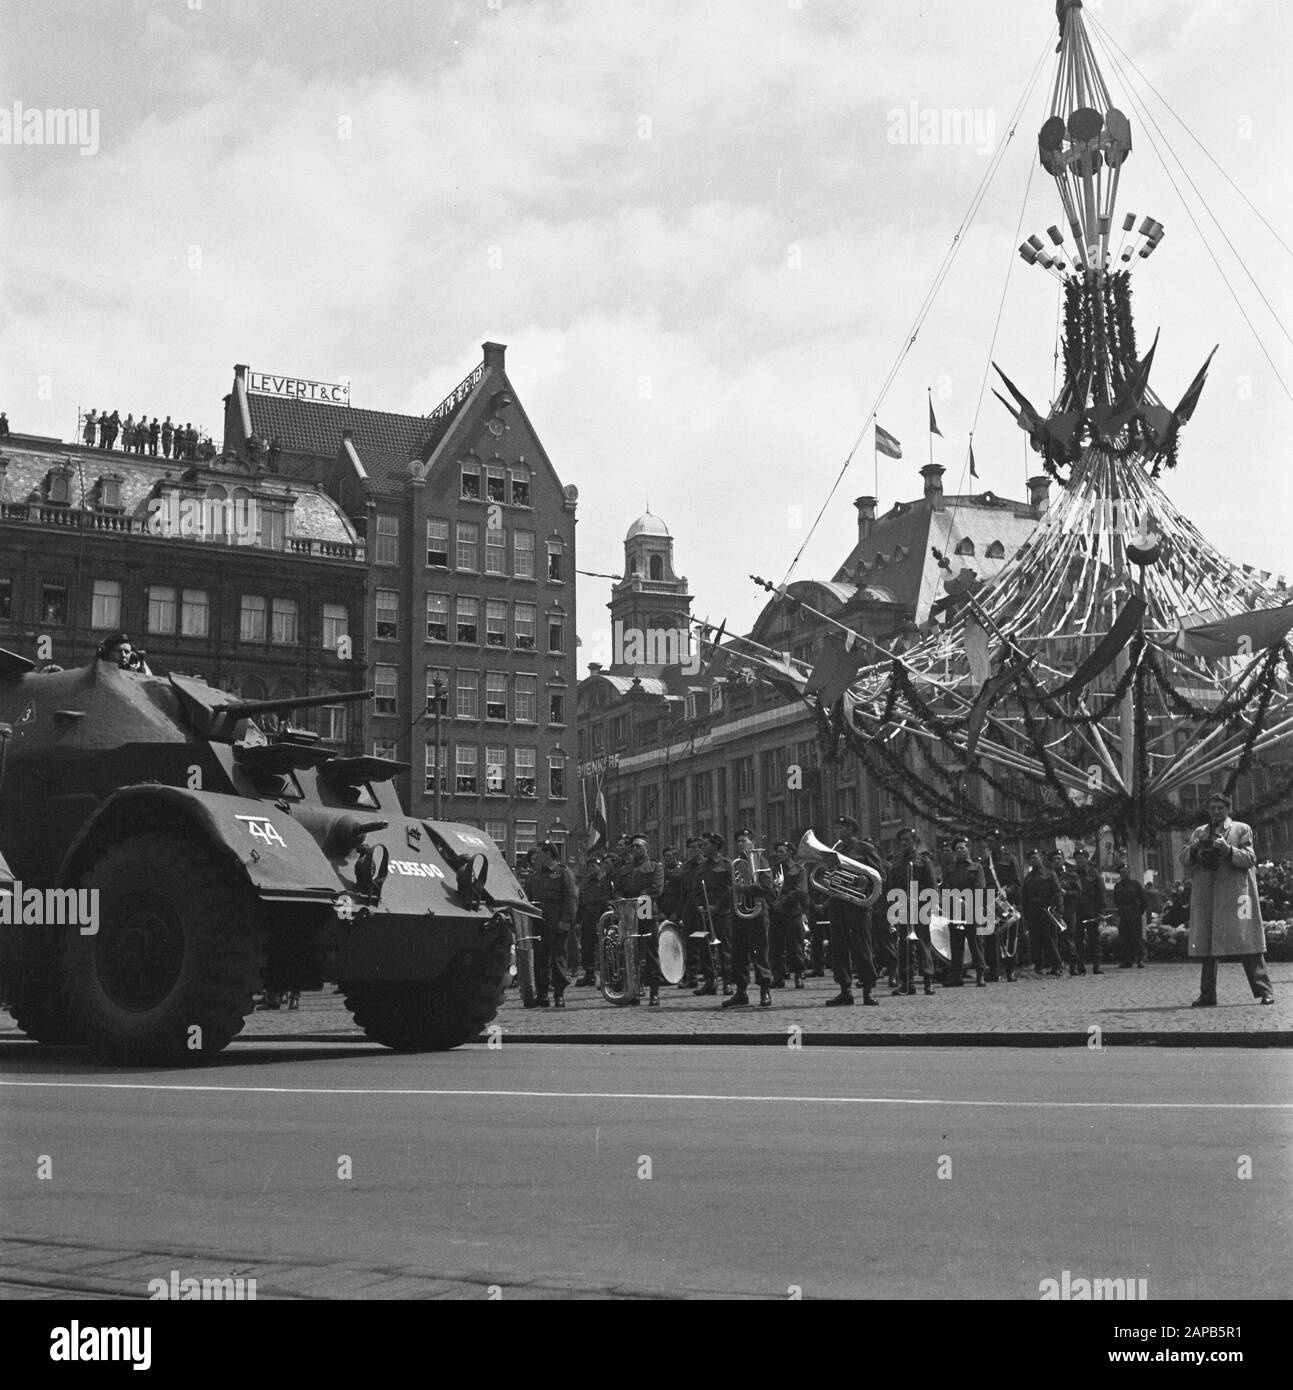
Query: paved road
x=523, y=1169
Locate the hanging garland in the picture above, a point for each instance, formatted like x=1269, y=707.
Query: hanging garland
x=1232, y=706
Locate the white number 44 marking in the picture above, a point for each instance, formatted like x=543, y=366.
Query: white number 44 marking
x=259, y=828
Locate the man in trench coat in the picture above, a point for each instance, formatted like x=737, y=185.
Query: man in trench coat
x=1225, y=917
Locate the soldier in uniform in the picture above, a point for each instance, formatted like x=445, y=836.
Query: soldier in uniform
x=962, y=874
x=1090, y=904
x=552, y=890
x=594, y=898
x=1041, y=891
x=851, y=925
x=750, y=937
x=788, y=908
x=911, y=874
x=1070, y=893
x=714, y=897
x=693, y=924
x=643, y=876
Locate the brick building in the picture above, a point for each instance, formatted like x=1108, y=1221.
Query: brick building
x=471, y=551
x=215, y=569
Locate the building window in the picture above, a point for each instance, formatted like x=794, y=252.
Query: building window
x=53, y=602
x=384, y=748
x=438, y=542
x=467, y=701
x=110, y=494
x=557, y=776
x=105, y=605
x=195, y=613
x=384, y=684
x=468, y=545
x=441, y=674
x=523, y=554
x=527, y=700
x=388, y=613
x=495, y=623
x=471, y=481
x=59, y=487
x=678, y=798
x=495, y=550
x=774, y=772
x=526, y=619
x=437, y=617
x=466, y=782
x=520, y=481
x=497, y=831
x=965, y=547
x=745, y=777
x=657, y=567
x=283, y=622
x=556, y=635
x=6, y=598
x=495, y=771
x=556, y=706
x=161, y=609
x=525, y=763
x=251, y=618
x=495, y=695
x=430, y=769
x=995, y=551
x=336, y=625
x=703, y=789
x=527, y=836
x=556, y=561
x=495, y=483
x=388, y=540
x=273, y=530
x=467, y=627
x=332, y=723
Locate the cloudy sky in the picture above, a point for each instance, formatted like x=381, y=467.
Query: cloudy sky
x=698, y=225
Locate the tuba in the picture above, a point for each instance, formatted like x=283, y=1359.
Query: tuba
x=837, y=875
x=618, y=966
x=747, y=902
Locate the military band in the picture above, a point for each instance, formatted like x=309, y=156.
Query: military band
x=773, y=914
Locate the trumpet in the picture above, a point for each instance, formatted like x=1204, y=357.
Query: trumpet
x=747, y=901
x=837, y=875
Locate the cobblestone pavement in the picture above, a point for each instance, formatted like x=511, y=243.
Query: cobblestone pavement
x=1132, y=1003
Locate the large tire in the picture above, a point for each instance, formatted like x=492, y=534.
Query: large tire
x=33, y=994
x=433, y=1015
x=168, y=978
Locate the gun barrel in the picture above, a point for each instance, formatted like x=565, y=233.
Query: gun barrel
x=249, y=709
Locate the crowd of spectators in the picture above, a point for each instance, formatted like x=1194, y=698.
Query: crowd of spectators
x=103, y=428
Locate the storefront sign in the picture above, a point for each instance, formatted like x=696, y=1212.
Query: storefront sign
x=298, y=388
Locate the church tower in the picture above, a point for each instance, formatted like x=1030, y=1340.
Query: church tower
x=650, y=597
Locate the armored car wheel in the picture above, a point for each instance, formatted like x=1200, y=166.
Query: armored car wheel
x=33, y=995
x=432, y=1015
x=169, y=976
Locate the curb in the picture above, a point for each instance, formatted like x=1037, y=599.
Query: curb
x=810, y=1039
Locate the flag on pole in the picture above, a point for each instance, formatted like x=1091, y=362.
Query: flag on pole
x=933, y=424
x=597, y=825
x=974, y=472
x=886, y=444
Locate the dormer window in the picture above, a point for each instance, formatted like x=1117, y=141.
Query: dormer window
x=965, y=547
x=59, y=489
x=110, y=492
x=471, y=481
x=996, y=551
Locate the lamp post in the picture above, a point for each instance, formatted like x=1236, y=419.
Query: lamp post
x=438, y=700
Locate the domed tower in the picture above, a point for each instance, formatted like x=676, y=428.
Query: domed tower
x=651, y=596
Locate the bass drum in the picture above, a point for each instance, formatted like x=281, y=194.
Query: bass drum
x=673, y=953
